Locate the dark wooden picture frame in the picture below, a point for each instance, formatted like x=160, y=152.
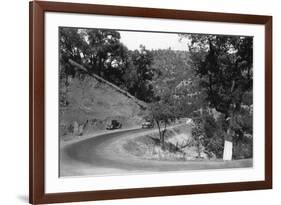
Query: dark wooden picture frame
x=37, y=10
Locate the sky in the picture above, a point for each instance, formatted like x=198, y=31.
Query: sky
x=152, y=40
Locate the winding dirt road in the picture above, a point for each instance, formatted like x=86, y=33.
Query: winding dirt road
x=103, y=155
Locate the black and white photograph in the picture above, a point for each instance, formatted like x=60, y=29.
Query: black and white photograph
x=138, y=102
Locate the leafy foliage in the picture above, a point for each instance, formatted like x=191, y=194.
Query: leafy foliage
x=224, y=64
x=225, y=67
x=139, y=74
x=106, y=55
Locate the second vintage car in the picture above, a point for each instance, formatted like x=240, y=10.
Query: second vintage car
x=147, y=124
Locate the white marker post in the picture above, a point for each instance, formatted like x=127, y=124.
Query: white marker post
x=227, y=151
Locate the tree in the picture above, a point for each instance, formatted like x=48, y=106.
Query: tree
x=225, y=67
x=170, y=107
x=139, y=74
x=175, y=89
x=173, y=71
x=106, y=56
x=163, y=112
x=71, y=46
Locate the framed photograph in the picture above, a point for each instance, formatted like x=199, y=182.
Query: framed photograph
x=139, y=102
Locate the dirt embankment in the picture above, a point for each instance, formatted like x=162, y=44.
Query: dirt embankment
x=93, y=102
x=179, y=145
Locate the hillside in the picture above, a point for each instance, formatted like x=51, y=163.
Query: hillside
x=93, y=102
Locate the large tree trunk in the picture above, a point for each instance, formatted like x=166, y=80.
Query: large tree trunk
x=160, y=134
x=228, y=146
x=163, y=137
x=162, y=141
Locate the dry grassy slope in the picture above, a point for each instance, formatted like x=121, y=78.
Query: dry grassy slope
x=98, y=101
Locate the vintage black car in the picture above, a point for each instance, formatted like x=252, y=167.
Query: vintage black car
x=114, y=125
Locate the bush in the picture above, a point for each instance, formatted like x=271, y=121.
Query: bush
x=243, y=149
x=214, y=130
